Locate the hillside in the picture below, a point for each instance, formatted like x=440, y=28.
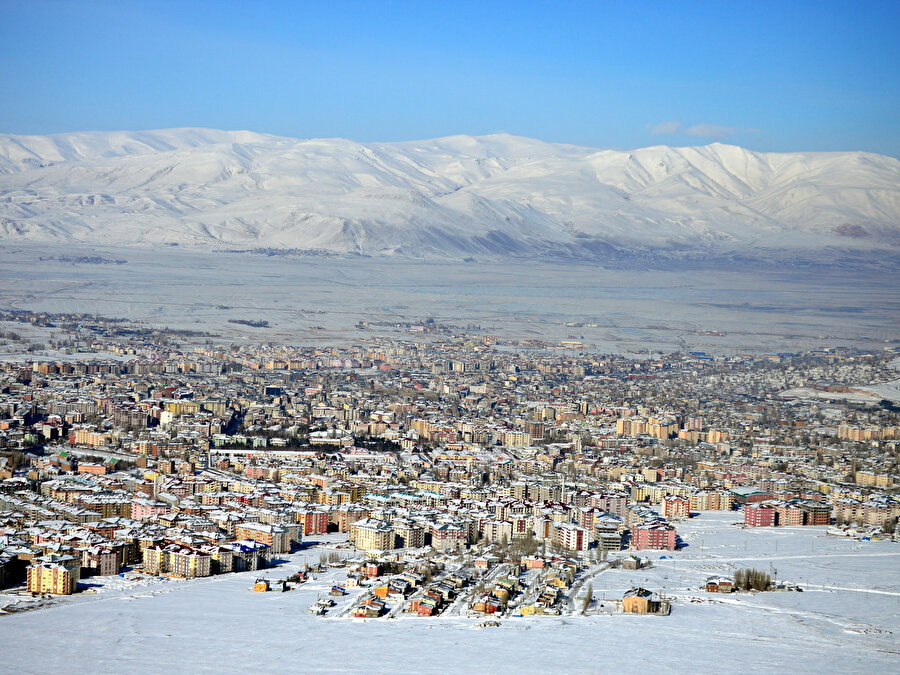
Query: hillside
x=456, y=196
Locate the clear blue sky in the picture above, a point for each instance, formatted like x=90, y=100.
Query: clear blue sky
x=785, y=75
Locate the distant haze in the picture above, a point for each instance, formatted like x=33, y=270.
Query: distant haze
x=459, y=196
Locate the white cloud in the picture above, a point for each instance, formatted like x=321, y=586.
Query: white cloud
x=665, y=128
x=717, y=131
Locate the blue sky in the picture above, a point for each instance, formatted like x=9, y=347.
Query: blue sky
x=776, y=76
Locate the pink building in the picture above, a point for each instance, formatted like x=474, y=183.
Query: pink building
x=586, y=515
x=654, y=535
x=103, y=561
x=613, y=503
x=147, y=508
x=255, y=472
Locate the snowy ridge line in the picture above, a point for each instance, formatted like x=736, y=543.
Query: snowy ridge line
x=496, y=195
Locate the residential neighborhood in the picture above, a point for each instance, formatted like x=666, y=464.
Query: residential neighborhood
x=467, y=475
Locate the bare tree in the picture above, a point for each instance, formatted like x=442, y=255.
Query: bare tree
x=588, y=598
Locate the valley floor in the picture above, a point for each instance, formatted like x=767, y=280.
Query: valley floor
x=314, y=300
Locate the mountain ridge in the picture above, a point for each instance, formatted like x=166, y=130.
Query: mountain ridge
x=453, y=196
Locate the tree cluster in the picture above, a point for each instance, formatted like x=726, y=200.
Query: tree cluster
x=524, y=546
x=752, y=579
x=330, y=557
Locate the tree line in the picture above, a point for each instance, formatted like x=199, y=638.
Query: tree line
x=752, y=579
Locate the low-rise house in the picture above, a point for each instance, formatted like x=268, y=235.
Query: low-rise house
x=640, y=601
x=719, y=585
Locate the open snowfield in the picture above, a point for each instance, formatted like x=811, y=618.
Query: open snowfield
x=314, y=300
x=846, y=620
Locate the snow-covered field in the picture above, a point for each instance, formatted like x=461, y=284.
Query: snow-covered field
x=311, y=300
x=856, y=397
x=889, y=390
x=846, y=620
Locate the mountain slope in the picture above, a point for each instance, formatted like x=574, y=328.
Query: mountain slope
x=460, y=195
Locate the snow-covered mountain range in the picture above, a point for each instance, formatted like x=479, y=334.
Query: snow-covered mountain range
x=456, y=196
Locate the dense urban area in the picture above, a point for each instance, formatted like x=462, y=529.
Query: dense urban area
x=441, y=471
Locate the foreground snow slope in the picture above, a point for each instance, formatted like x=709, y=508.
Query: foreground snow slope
x=845, y=620
x=495, y=194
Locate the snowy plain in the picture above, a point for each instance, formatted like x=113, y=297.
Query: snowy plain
x=314, y=300
x=847, y=619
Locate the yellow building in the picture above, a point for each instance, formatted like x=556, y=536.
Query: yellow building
x=177, y=561
x=639, y=493
x=90, y=437
x=640, y=601
x=182, y=407
x=631, y=426
x=189, y=564
x=242, y=487
x=690, y=435
x=372, y=535
x=515, y=439
x=882, y=480
x=55, y=578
